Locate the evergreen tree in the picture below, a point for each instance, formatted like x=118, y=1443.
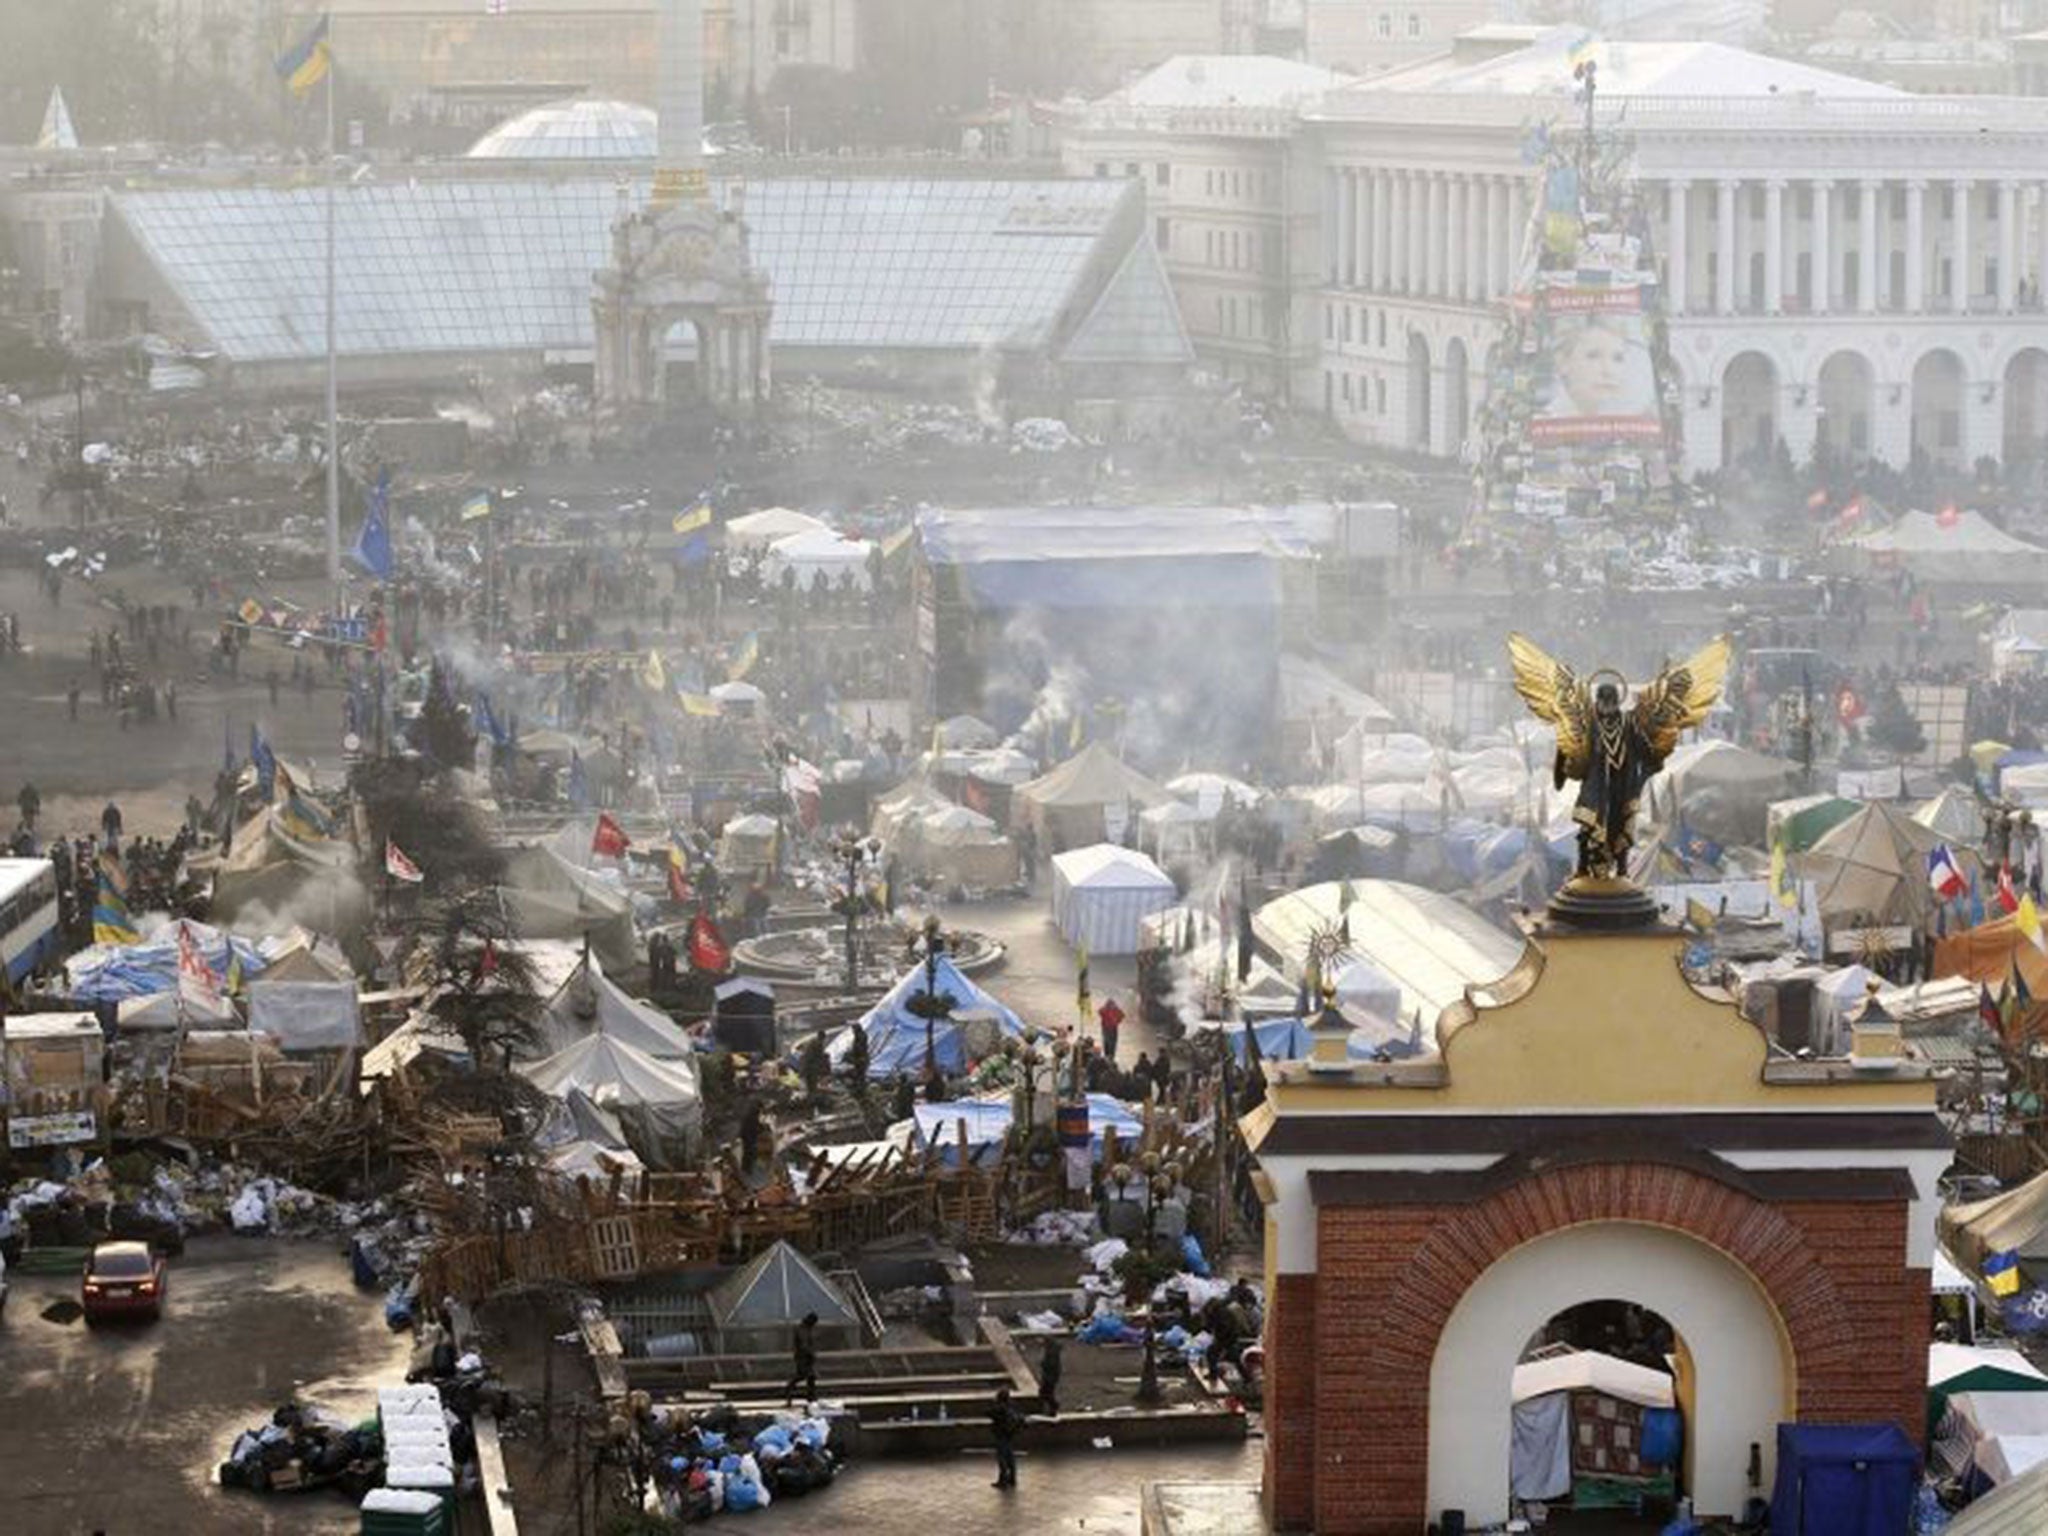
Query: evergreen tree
x=1894, y=729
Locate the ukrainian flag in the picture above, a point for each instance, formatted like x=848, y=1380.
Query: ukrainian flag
x=476, y=505
x=305, y=66
x=111, y=923
x=697, y=518
x=749, y=654
x=2002, y=1272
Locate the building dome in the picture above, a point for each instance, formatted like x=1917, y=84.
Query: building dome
x=584, y=128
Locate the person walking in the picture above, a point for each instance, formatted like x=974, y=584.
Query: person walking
x=804, y=1353
x=1049, y=1368
x=1004, y=1421
x=1111, y=1018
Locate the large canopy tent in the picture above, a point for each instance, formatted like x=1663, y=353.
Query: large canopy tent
x=1989, y=954
x=1432, y=946
x=1101, y=895
x=1873, y=867
x=898, y=1035
x=756, y=531
x=756, y=1308
x=658, y=1104
x=1954, y=1368
x=1804, y=820
x=956, y=846
x=805, y=557
x=547, y=897
x=1093, y=795
x=1722, y=790
x=590, y=1002
x=276, y=860
x=1966, y=548
x=2013, y=1220
x=110, y=973
x=1955, y=815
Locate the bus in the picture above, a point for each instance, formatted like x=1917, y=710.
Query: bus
x=28, y=915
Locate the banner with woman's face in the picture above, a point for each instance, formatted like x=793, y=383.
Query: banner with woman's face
x=1600, y=385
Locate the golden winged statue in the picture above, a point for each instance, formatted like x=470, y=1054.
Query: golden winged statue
x=1613, y=752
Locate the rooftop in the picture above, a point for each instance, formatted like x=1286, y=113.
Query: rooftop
x=583, y=128
x=1544, y=69
x=1227, y=80
x=462, y=266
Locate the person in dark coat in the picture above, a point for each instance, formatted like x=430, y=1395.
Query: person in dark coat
x=1004, y=1421
x=1049, y=1368
x=804, y=1355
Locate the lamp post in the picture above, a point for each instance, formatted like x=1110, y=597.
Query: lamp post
x=853, y=852
x=931, y=1004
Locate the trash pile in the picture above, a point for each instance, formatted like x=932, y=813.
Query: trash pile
x=1069, y=1229
x=729, y=1462
x=302, y=1448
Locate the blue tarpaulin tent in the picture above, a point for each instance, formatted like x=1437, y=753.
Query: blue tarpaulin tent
x=112, y=973
x=1290, y=1040
x=896, y=1035
x=988, y=1122
x=1844, y=1480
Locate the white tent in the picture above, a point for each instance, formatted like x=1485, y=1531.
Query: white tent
x=758, y=530
x=1206, y=792
x=820, y=553
x=1100, y=895
x=590, y=1002
x=657, y=1103
x=170, y=1009
x=1966, y=547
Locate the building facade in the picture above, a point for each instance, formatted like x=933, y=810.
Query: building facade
x=1589, y=1128
x=1846, y=267
x=1364, y=36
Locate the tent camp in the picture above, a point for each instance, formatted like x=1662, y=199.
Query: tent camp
x=657, y=1103
x=756, y=1308
x=956, y=846
x=756, y=531
x=746, y=847
x=275, y=856
x=1101, y=894
x=1989, y=954
x=1964, y=548
x=108, y=973
x=547, y=897
x=1873, y=867
x=897, y=1035
x=1206, y=792
x=1801, y=822
x=2014, y=1219
x=1089, y=797
x=1954, y=815
x=590, y=1002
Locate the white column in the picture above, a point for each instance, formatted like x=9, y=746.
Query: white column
x=1369, y=232
x=1505, y=236
x=1333, y=224
x=1383, y=230
x=1675, y=195
x=1959, y=247
x=2041, y=233
x=1347, y=225
x=1518, y=229
x=1774, y=247
x=1454, y=236
x=1823, y=246
x=1915, y=299
x=1476, y=204
x=1434, y=258
x=1867, y=194
x=1402, y=235
x=2008, y=247
x=1724, y=248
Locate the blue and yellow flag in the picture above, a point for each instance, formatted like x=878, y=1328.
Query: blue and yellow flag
x=111, y=923
x=476, y=505
x=2002, y=1272
x=694, y=520
x=305, y=65
x=743, y=662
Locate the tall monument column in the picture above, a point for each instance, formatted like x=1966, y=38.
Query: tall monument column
x=679, y=102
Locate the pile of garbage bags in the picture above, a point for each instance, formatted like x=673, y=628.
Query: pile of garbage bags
x=303, y=1448
x=727, y=1462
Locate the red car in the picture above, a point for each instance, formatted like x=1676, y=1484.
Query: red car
x=122, y=1280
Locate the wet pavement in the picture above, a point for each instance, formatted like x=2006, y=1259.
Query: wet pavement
x=1056, y=1494
x=118, y=1428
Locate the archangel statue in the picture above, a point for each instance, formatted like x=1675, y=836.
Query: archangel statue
x=1614, y=747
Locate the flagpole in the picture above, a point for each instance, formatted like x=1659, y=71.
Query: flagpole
x=333, y=456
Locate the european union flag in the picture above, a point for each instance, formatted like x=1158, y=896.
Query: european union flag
x=2026, y=1313
x=373, y=544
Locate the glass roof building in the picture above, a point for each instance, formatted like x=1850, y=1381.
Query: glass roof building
x=904, y=275
x=582, y=128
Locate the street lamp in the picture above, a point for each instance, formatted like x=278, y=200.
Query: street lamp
x=853, y=852
x=931, y=1004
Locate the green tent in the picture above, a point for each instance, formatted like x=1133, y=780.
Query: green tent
x=1806, y=820
x=1953, y=1368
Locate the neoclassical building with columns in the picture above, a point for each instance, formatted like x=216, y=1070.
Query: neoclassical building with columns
x=1845, y=265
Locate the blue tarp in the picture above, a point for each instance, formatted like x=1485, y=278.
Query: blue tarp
x=1843, y=1480
x=897, y=1037
x=1290, y=1040
x=988, y=1122
x=111, y=973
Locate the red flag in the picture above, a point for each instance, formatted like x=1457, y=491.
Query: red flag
x=2008, y=898
x=195, y=976
x=1851, y=513
x=398, y=866
x=708, y=950
x=610, y=838
x=1949, y=515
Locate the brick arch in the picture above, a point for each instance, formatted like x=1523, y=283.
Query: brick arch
x=1756, y=1235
